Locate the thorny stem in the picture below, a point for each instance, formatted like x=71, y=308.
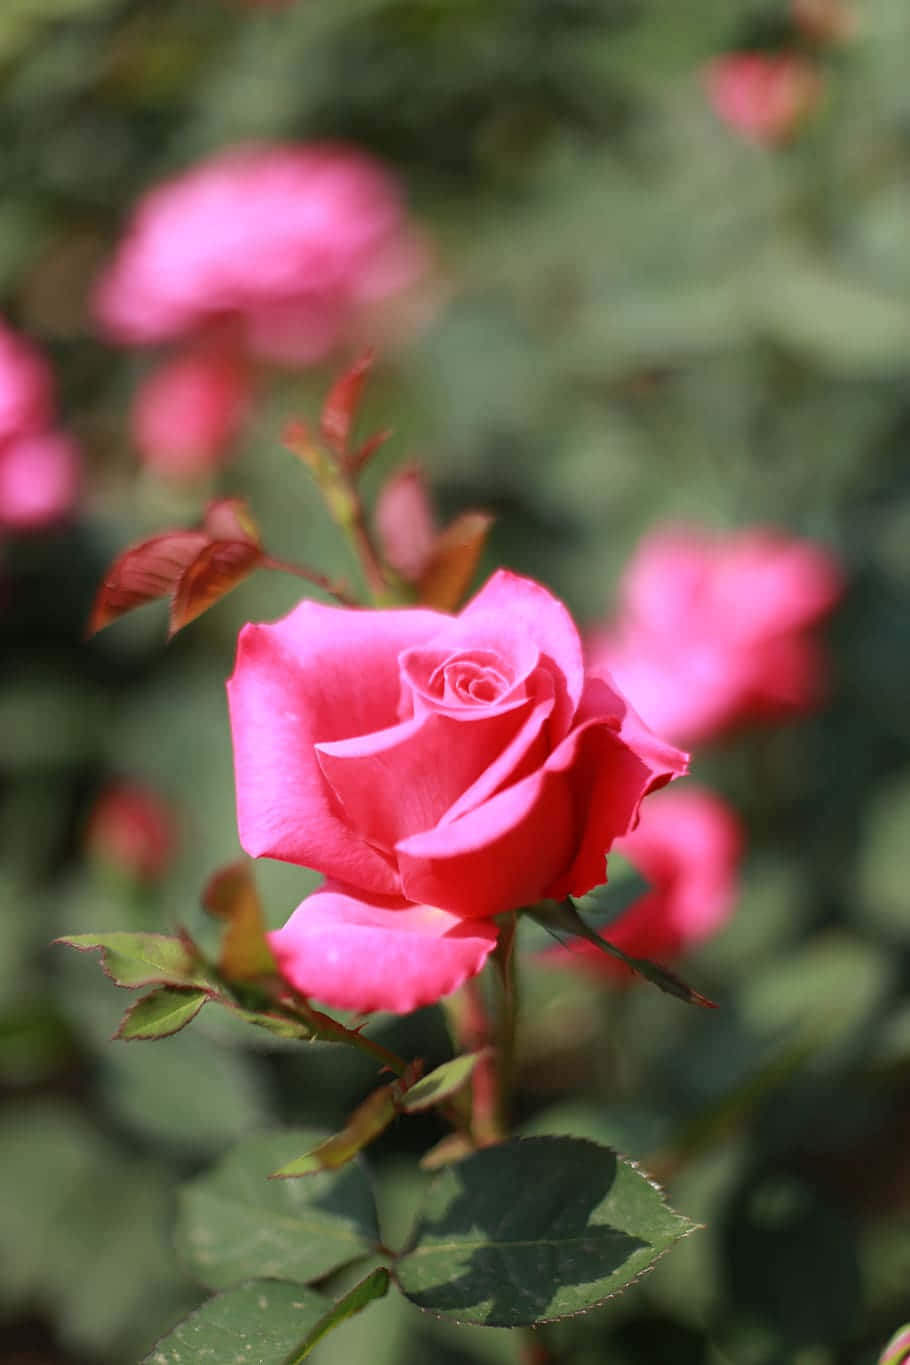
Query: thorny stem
x=330, y=1030
x=339, y=591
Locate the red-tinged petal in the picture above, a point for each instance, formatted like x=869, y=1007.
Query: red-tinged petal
x=360, y=952
x=213, y=573
x=503, y=854
x=230, y=519
x=319, y=675
x=602, y=700
x=397, y=782
x=549, y=625
x=339, y=411
x=143, y=573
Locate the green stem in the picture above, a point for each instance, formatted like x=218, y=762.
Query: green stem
x=504, y=959
x=331, y=1031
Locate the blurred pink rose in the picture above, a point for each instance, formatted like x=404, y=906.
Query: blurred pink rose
x=766, y=96
x=291, y=241
x=713, y=631
x=40, y=478
x=405, y=524
x=186, y=413
x=438, y=770
x=26, y=387
x=687, y=845
x=897, y=1351
x=132, y=830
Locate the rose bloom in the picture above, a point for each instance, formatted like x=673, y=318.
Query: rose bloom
x=186, y=413
x=438, y=770
x=26, y=387
x=289, y=241
x=765, y=96
x=714, y=630
x=132, y=830
x=687, y=846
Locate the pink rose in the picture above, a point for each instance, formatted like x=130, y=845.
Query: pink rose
x=897, y=1351
x=133, y=830
x=40, y=477
x=186, y=413
x=687, y=846
x=712, y=631
x=438, y=770
x=291, y=241
x=766, y=96
x=26, y=387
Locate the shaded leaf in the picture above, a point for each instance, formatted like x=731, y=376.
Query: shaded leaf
x=374, y=1286
x=279, y=1024
x=533, y=1230
x=234, y=1223
x=217, y=569
x=261, y=1321
x=231, y=894
x=143, y=573
x=444, y=1081
x=562, y=921
x=339, y=411
x=453, y=563
x=160, y=1014
x=132, y=960
x=368, y=1120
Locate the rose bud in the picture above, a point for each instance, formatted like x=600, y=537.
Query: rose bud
x=405, y=525
x=132, y=831
x=713, y=631
x=438, y=770
x=765, y=96
x=687, y=845
x=187, y=412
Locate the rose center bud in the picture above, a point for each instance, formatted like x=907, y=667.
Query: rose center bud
x=454, y=680
x=472, y=678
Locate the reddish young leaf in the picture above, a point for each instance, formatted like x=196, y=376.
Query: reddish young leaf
x=217, y=569
x=230, y=519
x=231, y=895
x=143, y=573
x=339, y=410
x=453, y=563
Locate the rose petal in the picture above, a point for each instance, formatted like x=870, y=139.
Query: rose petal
x=320, y=674
x=377, y=953
x=504, y=648
x=400, y=781
x=512, y=598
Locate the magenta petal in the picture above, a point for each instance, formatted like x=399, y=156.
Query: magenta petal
x=501, y=855
x=377, y=953
x=549, y=625
x=297, y=683
x=399, y=781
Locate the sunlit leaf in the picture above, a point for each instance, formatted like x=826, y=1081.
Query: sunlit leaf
x=368, y=1120
x=339, y=411
x=373, y=1286
x=217, y=569
x=143, y=959
x=160, y=1013
x=143, y=573
x=231, y=895
x=444, y=1081
x=453, y=563
x=262, y=1322
x=532, y=1230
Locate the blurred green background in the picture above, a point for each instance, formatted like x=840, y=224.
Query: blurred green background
x=640, y=314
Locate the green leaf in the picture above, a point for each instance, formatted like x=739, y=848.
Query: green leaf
x=606, y=903
x=133, y=960
x=534, y=1230
x=235, y=1224
x=441, y=1083
x=259, y=1322
x=368, y=1120
x=160, y=1013
x=562, y=920
x=374, y=1286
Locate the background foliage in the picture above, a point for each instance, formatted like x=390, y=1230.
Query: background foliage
x=641, y=315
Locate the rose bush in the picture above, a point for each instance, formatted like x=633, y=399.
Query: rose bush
x=687, y=845
x=714, y=630
x=438, y=770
